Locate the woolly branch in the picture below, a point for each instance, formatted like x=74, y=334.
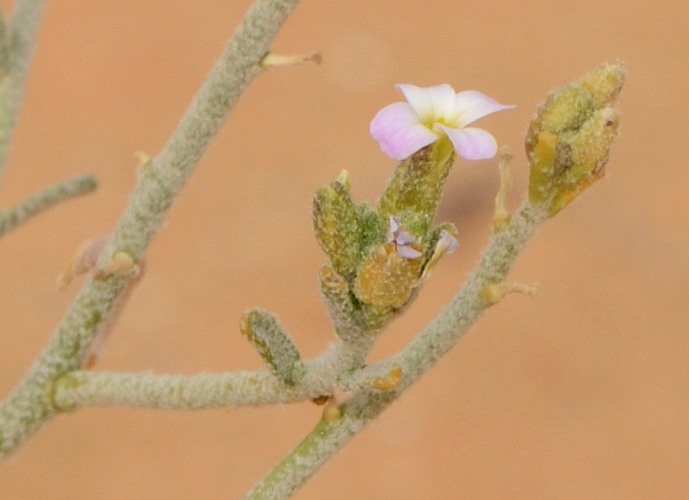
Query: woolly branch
x=37, y=203
x=30, y=405
x=180, y=392
x=17, y=47
x=320, y=377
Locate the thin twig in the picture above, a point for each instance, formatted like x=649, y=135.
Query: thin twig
x=14, y=216
x=19, y=45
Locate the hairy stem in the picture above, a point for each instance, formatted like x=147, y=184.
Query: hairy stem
x=321, y=377
x=44, y=199
x=181, y=392
x=160, y=180
x=328, y=437
x=18, y=47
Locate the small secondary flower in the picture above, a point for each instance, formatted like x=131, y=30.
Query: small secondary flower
x=446, y=243
x=401, y=240
x=430, y=113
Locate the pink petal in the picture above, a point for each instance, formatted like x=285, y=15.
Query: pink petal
x=472, y=143
x=399, y=132
x=393, y=227
x=470, y=105
x=407, y=252
x=404, y=238
x=429, y=102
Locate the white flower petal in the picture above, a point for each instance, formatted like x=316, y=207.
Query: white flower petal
x=470, y=105
x=472, y=143
x=398, y=131
x=430, y=103
x=446, y=243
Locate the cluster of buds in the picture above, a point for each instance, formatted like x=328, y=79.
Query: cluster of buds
x=377, y=259
x=570, y=137
x=380, y=255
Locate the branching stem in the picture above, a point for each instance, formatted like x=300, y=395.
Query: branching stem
x=328, y=437
x=31, y=403
x=334, y=370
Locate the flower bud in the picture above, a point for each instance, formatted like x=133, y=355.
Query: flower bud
x=570, y=137
x=273, y=344
x=386, y=278
x=336, y=225
x=417, y=183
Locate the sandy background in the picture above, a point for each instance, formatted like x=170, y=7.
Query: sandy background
x=581, y=393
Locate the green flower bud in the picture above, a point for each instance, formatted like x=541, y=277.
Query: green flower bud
x=336, y=225
x=273, y=344
x=418, y=181
x=570, y=137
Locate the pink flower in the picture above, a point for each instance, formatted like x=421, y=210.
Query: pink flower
x=402, y=128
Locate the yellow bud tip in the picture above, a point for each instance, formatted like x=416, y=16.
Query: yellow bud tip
x=331, y=411
x=390, y=381
x=605, y=82
x=343, y=179
x=333, y=281
x=121, y=264
x=142, y=159
x=492, y=294
x=290, y=59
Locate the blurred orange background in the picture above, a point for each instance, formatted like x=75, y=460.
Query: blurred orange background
x=580, y=393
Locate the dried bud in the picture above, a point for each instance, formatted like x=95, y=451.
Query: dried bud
x=386, y=278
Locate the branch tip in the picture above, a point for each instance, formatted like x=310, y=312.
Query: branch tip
x=501, y=214
x=273, y=344
x=272, y=60
x=494, y=293
x=142, y=159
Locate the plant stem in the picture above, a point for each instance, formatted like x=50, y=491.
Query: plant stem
x=181, y=392
x=31, y=403
x=12, y=217
x=327, y=438
x=19, y=44
x=215, y=390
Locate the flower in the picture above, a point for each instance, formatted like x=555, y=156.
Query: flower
x=446, y=243
x=403, y=128
x=401, y=240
